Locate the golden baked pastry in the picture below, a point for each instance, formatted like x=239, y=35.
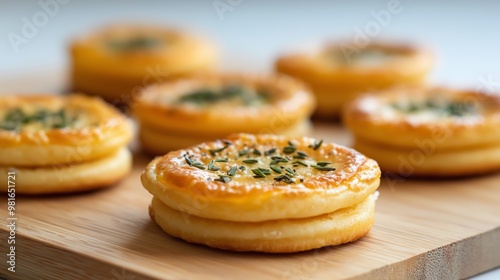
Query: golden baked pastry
x=278, y=236
x=185, y=112
x=428, y=131
x=61, y=144
x=267, y=183
x=118, y=61
x=337, y=73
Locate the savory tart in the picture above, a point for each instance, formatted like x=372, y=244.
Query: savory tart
x=337, y=73
x=61, y=144
x=428, y=131
x=118, y=61
x=248, y=187
x=185, y=112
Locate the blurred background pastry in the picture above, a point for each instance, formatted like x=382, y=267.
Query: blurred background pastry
x=337, y=73
x=117, y=61
x=436, y=132
x=188, y=111
x=62, y=144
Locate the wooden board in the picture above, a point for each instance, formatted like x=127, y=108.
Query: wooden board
x=424, y=229
x=444, y=229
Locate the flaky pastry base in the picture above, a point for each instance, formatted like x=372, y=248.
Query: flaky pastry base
x=277, y=236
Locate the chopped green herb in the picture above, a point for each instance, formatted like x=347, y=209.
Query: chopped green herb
x=323, y=163
x=232, y=170
x=276, y=169
x=289, y=149
x=265, y=171
x=250, y=161
x=224, y=179
x=301, y=154
x=212, y=167
x=243, y=152
x=221, y=160
x=284, y=178
x=242, y=167
x=258, y=173
x=316, y=145
x=16, y=118
x=277, y=159
x=323, y=168
x=451, y=108
x=301, y=163
x=198, y=165
x=270, y=151
x=134, y=44
x=257, y=152
x=213, y=152
x=290, y=171
x=188, y=160
x=230, y=92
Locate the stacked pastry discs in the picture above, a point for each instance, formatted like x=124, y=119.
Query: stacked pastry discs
x=338, y=73
x=118, y=61
x=428, y=131
x=185, y=112
x=263, y=193
x=58, y=144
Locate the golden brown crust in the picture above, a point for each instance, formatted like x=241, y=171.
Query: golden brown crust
x=281, y=236
x=289, y=103
x=98, y=130
x=72, y=178
x=336, y=77
x=377, y=118
x=175, y=54
x=195, y=191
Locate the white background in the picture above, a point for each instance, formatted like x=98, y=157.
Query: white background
x=464, y=34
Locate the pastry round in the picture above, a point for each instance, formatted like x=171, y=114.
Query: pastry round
x=213, y=106
x=40, y=130
x=253, y=178
x=282, y=236
x=428, y=131
x=119, y=60
x=70, y=178
x=337, y=73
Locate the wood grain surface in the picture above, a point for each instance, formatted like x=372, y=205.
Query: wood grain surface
x=445, y=229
